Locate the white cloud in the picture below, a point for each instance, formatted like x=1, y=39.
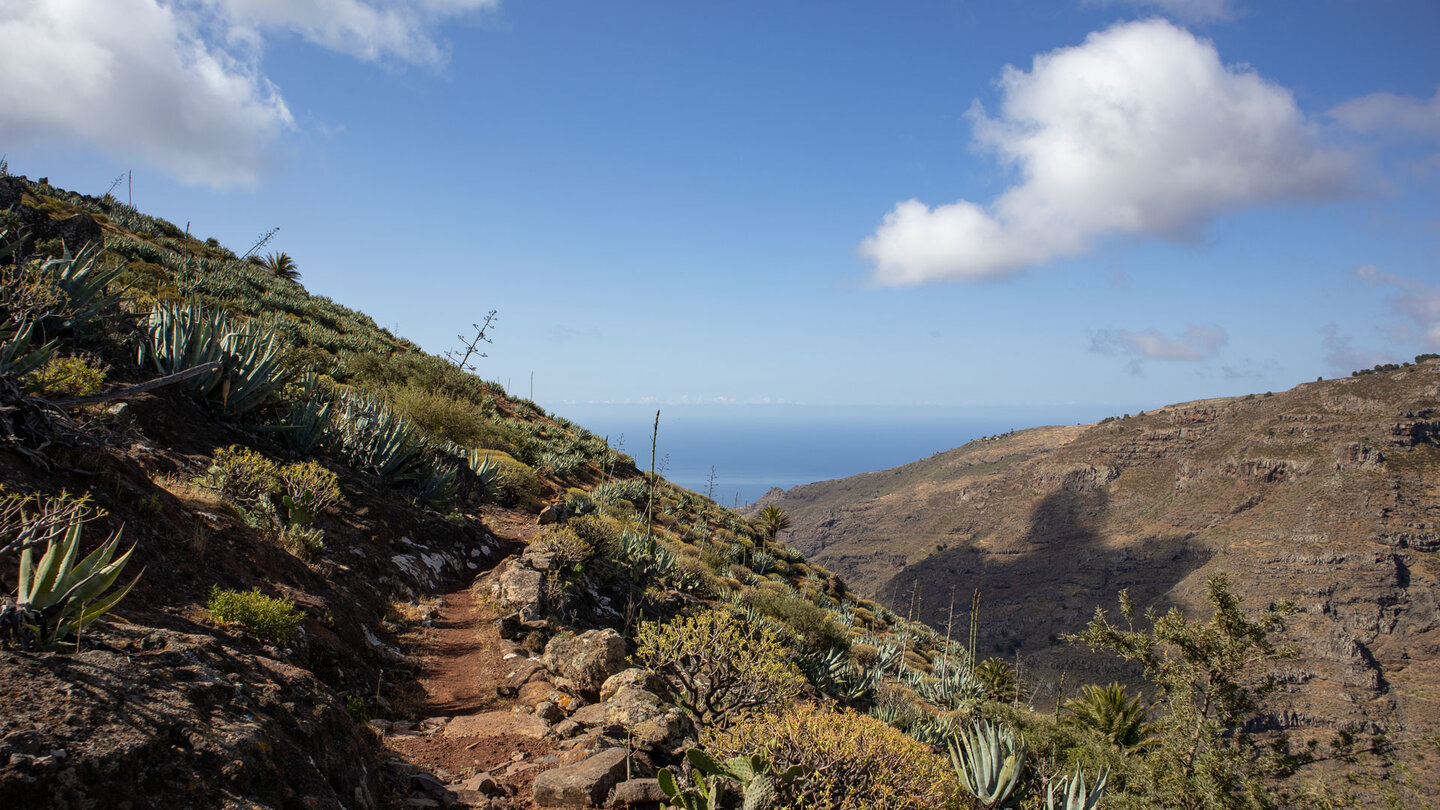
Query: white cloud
x=1194, y=344
x=1139, y=131
x=366, y=29
x=1185, y=10
x=1414, y=301
x=1389, y=114
x=177, y=83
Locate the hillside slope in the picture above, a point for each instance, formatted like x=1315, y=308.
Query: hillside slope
x=1325, y=495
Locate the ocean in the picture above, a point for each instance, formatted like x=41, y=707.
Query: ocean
x=755, y=449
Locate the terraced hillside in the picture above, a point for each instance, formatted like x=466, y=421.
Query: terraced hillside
x=1325, y=495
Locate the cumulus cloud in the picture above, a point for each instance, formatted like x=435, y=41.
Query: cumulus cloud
x=1390, y=114
x=178, y=84
x=1185, y=10
x=1194, y=344
x=1415, y=302
x=1139, y=131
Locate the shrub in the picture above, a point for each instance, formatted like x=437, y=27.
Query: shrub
x=448, y=418
x=516, y=484
x=271, y=620
x=855, y=762
x=811, y=624
x=305, y=542
x=243, y=477
x=715, y=665
x=570, y=549
x=602, y=533
x=66, y=376
x=307, y=489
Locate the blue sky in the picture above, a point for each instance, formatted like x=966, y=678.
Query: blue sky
x=970, y=206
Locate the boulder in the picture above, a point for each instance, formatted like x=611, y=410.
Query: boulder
x=495, y=724
x=650, y=721
x=633, y=677
x=583, y=784
x=586, y=661
x=639, y=793
x=548, y=515
x=520, y=588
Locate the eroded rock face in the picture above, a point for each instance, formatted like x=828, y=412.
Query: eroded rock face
x=584, y=662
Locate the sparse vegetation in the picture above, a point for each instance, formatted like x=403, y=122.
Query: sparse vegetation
x=267, y=618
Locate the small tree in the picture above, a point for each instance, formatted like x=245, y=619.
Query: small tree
x=716, y=666
x=1209, y=677
x=282, y=266
x=771, y=521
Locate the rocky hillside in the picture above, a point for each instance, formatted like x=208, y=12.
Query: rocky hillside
x=1324, y=495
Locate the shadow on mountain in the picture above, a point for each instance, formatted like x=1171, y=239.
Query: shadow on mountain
x=1046, y=586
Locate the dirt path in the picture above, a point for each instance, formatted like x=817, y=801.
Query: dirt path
x=463, y=674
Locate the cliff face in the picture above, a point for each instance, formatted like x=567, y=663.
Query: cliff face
x=1327, y=495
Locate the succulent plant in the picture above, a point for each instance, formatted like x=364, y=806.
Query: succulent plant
x=182, y=336
x=373, y=436
x=58, y=597
x=755, y=774
x=988, y=760
x=85, y=283
x=1074, y=792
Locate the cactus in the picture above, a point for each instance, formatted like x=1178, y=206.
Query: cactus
x=759, y=784
x=1073, y=791
x=988, y=761
x=58, y=597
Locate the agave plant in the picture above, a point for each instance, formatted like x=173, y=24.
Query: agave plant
x=85, y=283
x=836, y=675
x=373, y=436
x=957, y=688
x=182, y=336
x=311, y=415
x=487, y=471
x=1073, y=792
x=436, y=484
x=989, y=761
x=18, y=353
x=57, y=597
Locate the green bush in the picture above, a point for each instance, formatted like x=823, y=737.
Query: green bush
x=448, y=418
x=307, y=490
x=66, y=376
x=516, y=483
x=716, y=665
x=271, y=620
x=243, y=477
x=855, y=762
x=812, y=625
x=570, y=549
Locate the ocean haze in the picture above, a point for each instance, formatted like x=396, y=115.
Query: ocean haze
x=755, y=448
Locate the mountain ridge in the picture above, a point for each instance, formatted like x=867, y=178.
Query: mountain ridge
x=1322, y=495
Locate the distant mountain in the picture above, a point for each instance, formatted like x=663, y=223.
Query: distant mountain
x=1327, y=495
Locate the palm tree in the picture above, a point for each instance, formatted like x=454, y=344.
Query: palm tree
x=771, y=521
x=1122, y=719
x=282, y=266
